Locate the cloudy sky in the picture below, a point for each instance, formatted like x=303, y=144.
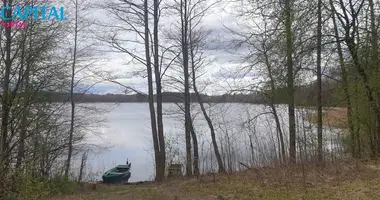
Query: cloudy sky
x=219, y=74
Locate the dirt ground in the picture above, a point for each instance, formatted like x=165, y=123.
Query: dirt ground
x=343, y=180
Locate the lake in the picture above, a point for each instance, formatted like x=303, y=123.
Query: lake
x=126, y=131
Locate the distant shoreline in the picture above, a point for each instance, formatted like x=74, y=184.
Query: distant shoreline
x=167, y=97
x=335, y=117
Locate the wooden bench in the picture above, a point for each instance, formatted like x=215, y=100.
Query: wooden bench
x=175, y=170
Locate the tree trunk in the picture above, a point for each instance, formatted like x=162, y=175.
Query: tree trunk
x=72, y=100
x=209, y=122
x=159, y=175
x=367, y=88
x=192, y=43
x=273, y=107
x=351, y=29
x=24, y=117
x=195, y=149
x=185, y=54
x=161, y=139
x=319, y=82
x=6, y=104
x=375, y=67
x=279, y=130
x=355, y=150
x=290, y=81
x=252, y=152
x=82, y=166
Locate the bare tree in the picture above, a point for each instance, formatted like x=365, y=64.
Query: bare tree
x=195, y=148
x=374, y=52
x=197, y=39
x=142, y=20
x=26, y=61
x=344, y=77
x=352, y=21
x=72, y=100
x=157, y=71
x=290, y=80
x=82, y=166
x=319, y=80
x=190, y=39
x=5, y=103
x=184, y=4
x=32, y=133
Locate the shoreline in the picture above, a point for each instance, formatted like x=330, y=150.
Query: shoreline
x=334, y=117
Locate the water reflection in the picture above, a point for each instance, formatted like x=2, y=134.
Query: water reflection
x=127, y=130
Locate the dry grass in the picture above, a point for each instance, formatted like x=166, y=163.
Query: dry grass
x=332, y=117
x=344, y=180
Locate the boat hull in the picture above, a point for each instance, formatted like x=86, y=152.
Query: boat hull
x=116, y=178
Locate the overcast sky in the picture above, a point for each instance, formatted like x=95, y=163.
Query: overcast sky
x=217, y=75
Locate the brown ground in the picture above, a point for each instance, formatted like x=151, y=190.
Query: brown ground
x=345, y=180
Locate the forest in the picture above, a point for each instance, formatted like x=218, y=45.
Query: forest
x=313, y=55
x=302, y=97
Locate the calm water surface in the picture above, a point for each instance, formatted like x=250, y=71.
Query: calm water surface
x=126, y=130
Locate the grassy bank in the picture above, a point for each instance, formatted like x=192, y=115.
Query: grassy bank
x=332, y=181
x=332, y=117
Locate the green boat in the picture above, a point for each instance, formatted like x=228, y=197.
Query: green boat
x=118, y=174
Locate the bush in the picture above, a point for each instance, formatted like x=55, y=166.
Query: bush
x=29, y=188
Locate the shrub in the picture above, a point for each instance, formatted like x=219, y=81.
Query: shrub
x=35, y=188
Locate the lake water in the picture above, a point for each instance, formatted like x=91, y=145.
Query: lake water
x=126, y=130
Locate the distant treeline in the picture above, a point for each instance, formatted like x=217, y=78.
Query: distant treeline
x=168, y=97
x=304, y=95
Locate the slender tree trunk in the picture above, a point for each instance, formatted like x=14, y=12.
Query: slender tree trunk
x=273, y=107
x=279, y=131
x=185, y=54
x=319, y=82
x=251, y=147
x=192, y=45
x=159, y=176
x=367, y=87
x=82, y=166
x=24, y=117
x=6, y=104
x=223, y=152
x=355, y=152
x=351, y=30
x=195, y=149
x=229, y=151
x=161, y=140
x=375, y=67
x=209, y=122
x=290, y=81
x=72, y=100
x=357, y=120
